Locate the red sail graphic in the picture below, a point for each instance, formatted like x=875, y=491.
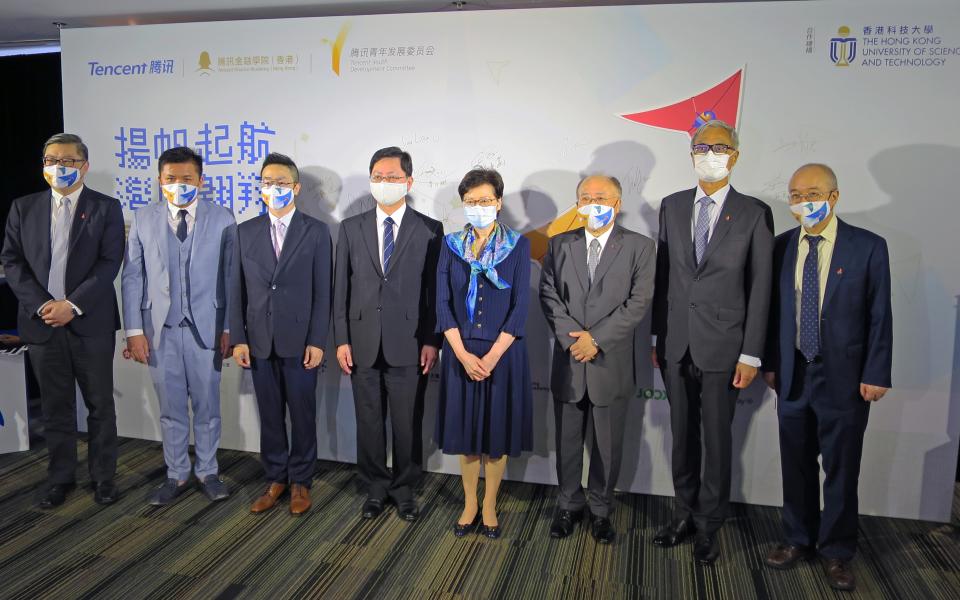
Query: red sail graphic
x=722, y=101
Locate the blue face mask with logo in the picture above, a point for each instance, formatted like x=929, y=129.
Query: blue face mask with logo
x=480, y=216
x=598, y=215
x=276, y=197
x=811, y=213
x=61, y=177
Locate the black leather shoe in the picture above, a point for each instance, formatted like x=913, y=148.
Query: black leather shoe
x=839, y=575
x=105, y=492
x=408, y=511
x=706, y=549
x=602, y=530
x=462, y=530
x=372, y=508
x=56, y=495
x=563, y=523
x=674, y=533
x=785, y=556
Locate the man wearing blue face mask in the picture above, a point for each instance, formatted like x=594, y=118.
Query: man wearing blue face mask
x=62, y=251
x=596, y=287
x=279, y=320
x=829, y=354
x=174, y=304
x=384, y=317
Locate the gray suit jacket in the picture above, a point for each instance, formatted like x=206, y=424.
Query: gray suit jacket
x=145, y=281
x=610, y=309
x=717, y=309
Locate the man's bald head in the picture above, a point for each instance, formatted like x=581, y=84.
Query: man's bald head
x=815, y=172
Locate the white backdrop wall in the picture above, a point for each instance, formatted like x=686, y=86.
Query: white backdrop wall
x=538, y=94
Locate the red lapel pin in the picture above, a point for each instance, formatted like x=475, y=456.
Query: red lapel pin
x=83, y=216
x=840, y=271
x=726, y=218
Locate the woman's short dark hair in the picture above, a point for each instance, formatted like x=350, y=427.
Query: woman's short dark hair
x=180, y=155
x=478, y=177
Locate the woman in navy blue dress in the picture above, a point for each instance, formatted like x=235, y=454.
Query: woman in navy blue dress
x=486, y=400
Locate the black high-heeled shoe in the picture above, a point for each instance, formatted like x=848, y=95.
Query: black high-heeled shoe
x=462, y=530
x=490, y=531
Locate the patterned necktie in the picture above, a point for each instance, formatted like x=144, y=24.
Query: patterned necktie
x=702, y=232
x=58, y=251
x=810, y=301
x=182, y=225
x=279, y=231
x=387, y=242
x=593, y=258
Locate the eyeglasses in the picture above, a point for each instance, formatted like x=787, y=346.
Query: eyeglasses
x=388, y=178
x=809, y=196
x=585, y=199
x=717, y=148
x=49, y=161
x=480, y=202
x=269, y=182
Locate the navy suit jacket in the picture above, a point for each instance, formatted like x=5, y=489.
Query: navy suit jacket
x=281, y=306
x=856, y=321
x=95, y=254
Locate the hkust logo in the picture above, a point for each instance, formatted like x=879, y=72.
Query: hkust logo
x=843, y=47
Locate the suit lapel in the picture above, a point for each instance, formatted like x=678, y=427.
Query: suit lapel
x=728, y=216
x=408, y=229
x=161, y=224
x=684, y=216
x=293, y=238
x=788, y=284
x=369, y=233
x=836, y=262
x=80, y=217
x=577, y=247
x=44, y=206
x=609, y=254
x=263, y=244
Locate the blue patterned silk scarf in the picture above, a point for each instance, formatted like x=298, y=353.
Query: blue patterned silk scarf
x=497, y=248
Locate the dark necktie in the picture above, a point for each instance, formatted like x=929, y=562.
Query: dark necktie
x=702, y=232
x=387, y=242
x=182, y=225
x=593, y=258
x=810, y=301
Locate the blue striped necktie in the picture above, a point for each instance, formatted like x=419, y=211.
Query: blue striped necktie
x=387, y=242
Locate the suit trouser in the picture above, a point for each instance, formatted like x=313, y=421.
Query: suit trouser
x=811, y=425
x=702, y=405
x=401, y=389
x=62, y=363
x=181, y=368
x=607, y=422
x=283, y=384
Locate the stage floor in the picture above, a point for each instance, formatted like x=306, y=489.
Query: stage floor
x=195, y=549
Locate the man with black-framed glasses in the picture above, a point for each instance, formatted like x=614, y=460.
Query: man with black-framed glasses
x=384, y=314
x=61, y=254
x=714, y=264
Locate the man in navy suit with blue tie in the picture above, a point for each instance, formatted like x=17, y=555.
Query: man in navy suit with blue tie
x=828, y=357
x=279, y=317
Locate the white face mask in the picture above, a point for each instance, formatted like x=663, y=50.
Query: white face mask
x=60, y=177
x=480, y=216
x=598, y=215
x=811, y=213
x=179, y=194
x=276, y=197
x=387, y=193
x=711, y=167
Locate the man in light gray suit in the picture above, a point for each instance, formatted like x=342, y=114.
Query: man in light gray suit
x=714, y=271
x=596, y=287
x=174, y=302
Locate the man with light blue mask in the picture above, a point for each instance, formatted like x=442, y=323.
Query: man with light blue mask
x=174, y=305
x=829, y=355
x=596, y=287
x=384, y=317
x=279, y=320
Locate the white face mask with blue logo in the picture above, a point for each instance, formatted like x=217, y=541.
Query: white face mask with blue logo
x=276, y=197
x=811, y=213
x=60, y=177
x=598, y=215
x=480, y=216
x=179, y=194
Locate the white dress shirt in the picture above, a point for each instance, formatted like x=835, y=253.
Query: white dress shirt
x=56, y=203
x=285, y=219
x=174, y=216
x=602, y=238
x=397, y=217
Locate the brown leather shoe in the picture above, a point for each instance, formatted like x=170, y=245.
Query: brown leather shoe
x=299, y=499
x=785, y=556
x=839, y=575
x=269, y=498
